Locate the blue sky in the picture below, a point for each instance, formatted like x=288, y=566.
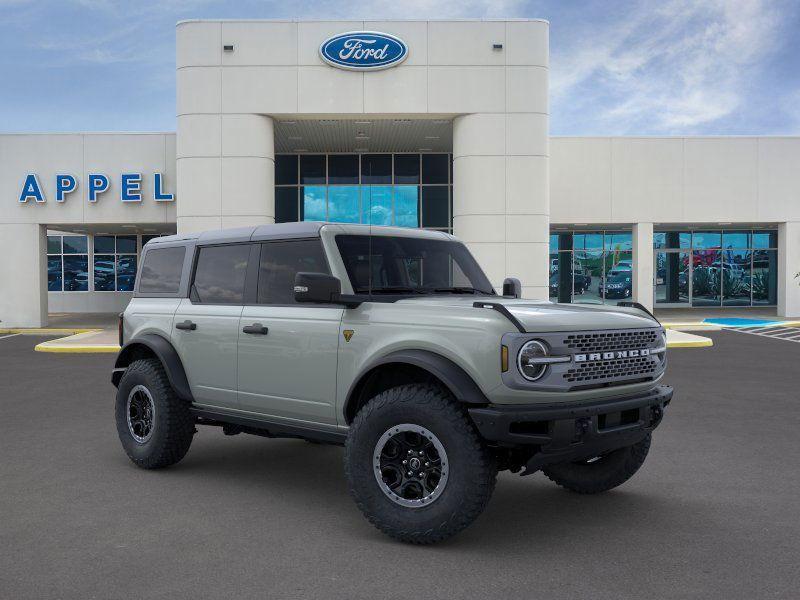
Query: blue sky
x=668, y=67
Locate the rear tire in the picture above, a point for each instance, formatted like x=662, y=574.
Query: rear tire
x=154, y=426
x=422, y=421
x=602, y=473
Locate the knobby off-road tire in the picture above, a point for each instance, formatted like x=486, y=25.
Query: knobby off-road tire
x=467, y=477
x=601, y=474
x=171, y=427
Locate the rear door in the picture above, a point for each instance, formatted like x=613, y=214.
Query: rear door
x=288, y=351
x=206, y=325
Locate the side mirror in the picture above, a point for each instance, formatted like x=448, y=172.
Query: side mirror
x=320, y=288
x=512, y=287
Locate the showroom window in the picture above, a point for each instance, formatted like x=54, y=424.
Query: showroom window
x=716, y=267
x=67, y=263
x=593, y=267
x=114, y=263
x=406, y=190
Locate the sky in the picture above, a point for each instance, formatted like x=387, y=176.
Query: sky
x=668, y=67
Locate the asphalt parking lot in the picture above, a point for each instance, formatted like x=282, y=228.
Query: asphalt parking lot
x=714, y=512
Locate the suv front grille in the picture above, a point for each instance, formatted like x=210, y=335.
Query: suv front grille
x=610, y=341
x=613, y=369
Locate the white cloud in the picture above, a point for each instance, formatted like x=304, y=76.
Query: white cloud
x=669, y=67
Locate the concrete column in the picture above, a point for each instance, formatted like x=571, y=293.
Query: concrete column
x=23, y=271
x=642, y=280
x=226, y=171
x=788, y=266
x=501, y=202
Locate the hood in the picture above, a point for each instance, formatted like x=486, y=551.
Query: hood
x=542, y=315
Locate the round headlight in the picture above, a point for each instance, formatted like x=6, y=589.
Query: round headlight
x=526, y=360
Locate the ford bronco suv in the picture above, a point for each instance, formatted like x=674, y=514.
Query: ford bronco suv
x=393, y=343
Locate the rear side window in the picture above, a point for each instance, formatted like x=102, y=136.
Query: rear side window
x=220, y=274
x=161, y=271
x=280, y=262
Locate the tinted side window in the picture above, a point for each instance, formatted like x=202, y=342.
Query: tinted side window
x=280, y=262
x=220, y=274
x=161, y=271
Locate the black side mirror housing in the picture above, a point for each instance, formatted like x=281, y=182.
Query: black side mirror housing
x=321, y=288
x=512, y=287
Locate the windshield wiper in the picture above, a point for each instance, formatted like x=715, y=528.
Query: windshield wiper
x=397, y=289
x=461, y=290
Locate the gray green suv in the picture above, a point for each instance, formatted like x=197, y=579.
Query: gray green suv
x=393, y=343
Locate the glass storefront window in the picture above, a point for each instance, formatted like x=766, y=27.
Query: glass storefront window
x=735, y=277
x=54, y=276
x=672, y=239
x=126, y=272
x=376, y=168
x=722, y=268
x=707, y=239
x=314, y=203
x=376, y=205
x=343, y=168
x=286, y=210
x=435, y=205
x=349, y=188
x=343, y=203
x=406, y=205
x=672, y=277
x=286, y=169
x=406, y=168
x=104, y=272
x=618, y=241
x=588, y=241
x=312, y=168
x=736, y=239
x=587, y=275
x=76, y=273
x=54, y=244
x=765, y=277
x=75, y=244
x=765, y=239
x=434, y=168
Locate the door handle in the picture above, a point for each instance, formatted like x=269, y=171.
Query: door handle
x=256, y=328
x=187, y=325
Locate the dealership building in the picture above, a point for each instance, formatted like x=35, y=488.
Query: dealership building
x=434, y=124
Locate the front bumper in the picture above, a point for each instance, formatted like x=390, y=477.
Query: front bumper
x=560, y=433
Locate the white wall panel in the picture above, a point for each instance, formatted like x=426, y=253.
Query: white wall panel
x=259, y=43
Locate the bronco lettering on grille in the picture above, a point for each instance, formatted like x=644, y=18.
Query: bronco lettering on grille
x=611, y=355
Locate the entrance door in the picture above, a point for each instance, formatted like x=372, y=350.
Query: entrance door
x=287, y=351
x=206, y=325
x=672, y=271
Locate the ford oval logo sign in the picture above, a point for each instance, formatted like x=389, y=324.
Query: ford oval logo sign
x=363, y=50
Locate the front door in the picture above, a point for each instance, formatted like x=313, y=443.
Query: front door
x=206, y=325
x=287, y=351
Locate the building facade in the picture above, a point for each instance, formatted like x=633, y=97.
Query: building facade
x=434, y=124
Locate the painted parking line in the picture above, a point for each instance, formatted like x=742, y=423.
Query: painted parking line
x=2, y=337
x=789, y=334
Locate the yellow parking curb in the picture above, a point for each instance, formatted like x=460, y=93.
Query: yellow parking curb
x=46, y=331
x=44, y=347
x=703, y=343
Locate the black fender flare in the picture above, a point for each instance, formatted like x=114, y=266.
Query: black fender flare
x=458, y=381
x=165, y=352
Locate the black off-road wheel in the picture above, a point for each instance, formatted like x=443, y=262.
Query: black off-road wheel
x=415, y=465
x=153, y=424
x=600, y=473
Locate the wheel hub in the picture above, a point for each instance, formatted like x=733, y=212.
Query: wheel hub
x=140, y=411
x=410, y=465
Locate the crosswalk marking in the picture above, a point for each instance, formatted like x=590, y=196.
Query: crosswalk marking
x=789, y=334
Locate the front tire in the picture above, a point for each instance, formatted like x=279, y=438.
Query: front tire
x=153, y=424
x=600, y=474
x=448, y=475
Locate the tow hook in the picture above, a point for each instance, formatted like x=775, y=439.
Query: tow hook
x=581, y=427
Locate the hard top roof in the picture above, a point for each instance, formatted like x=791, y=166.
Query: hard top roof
x=302, y=229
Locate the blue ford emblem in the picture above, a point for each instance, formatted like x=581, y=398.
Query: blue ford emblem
x=363, y=50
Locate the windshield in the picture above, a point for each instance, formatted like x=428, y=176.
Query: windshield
x=409, y=265
x=619, y=278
